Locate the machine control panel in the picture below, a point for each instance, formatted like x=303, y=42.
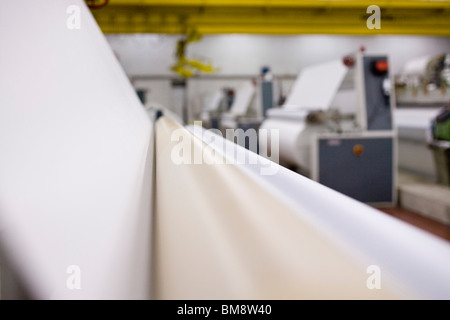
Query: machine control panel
x=377, y=89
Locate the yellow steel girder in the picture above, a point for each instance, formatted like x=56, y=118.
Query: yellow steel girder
x=273, y=17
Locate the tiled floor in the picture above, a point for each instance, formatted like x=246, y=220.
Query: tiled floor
x=420, y=221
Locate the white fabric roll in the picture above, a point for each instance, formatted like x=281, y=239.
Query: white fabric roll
x=76, y=158
x=243, y=98
x=404, y=253
x=290, y=149
x=417, y=66
x=222, y=235
x=213, y=103
x=316, y=86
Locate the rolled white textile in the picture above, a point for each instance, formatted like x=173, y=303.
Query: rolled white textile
x=77, y=157
x=219, y=234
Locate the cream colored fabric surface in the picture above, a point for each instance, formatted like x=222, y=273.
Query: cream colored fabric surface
x=220, y=235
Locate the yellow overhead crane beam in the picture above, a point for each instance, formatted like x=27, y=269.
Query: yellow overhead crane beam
x=273, y=17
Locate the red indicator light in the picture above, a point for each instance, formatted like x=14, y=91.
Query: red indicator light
x=381, y=66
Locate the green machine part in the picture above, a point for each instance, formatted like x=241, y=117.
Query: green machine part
x=442, y=126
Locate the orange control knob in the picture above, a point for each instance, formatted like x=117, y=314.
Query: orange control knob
x=358, y=149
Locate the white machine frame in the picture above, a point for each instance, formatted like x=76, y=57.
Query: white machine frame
x=360, y=128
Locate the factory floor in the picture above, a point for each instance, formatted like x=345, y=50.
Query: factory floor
x=437, y=228
x=423, y=203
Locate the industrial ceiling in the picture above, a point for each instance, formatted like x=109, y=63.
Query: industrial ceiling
x=271, y=17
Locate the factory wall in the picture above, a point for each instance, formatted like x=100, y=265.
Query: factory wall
x=147, y=58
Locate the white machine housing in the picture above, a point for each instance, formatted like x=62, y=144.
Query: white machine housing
x=422, y=90
x=345, y=102
x=252, y=100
